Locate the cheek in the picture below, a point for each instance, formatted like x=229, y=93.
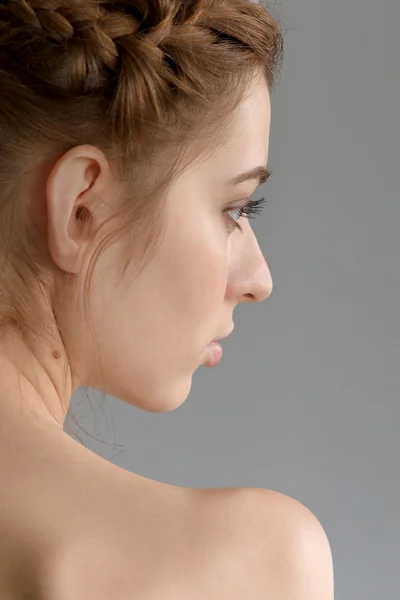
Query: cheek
x=195, y=257
x=152, y=330
x=199, y=270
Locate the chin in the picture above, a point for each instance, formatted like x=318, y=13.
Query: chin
x=169, y=397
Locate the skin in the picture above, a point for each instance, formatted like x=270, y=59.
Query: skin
x=152, y=334
x=91, y=529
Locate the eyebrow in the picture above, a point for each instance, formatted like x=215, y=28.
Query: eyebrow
x=260, y=173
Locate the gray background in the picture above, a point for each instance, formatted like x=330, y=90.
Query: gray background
x=306, y=398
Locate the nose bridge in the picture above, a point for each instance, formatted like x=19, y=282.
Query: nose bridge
x=249, y=274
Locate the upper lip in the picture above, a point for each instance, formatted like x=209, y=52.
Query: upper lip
x=224, y=336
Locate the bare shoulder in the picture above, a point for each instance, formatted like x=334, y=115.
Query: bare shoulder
x=219, y=544
x=274, y=541
x=158, y=541
x=265, y=512
x=303, y=548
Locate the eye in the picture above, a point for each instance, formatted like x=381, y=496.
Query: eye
x=252, y=207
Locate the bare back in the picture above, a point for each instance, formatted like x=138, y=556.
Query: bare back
x=74, y=525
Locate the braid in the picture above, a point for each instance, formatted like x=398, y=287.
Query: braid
x=125, y=67
x=40, y=18
x=75, y=42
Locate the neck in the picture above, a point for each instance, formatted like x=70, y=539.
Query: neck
x=35, y=386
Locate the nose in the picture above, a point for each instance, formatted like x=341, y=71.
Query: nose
x=260, y=285
x=249, y=277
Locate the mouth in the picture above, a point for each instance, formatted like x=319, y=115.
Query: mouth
x=214, y=353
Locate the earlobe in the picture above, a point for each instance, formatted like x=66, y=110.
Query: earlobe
x=71, y=189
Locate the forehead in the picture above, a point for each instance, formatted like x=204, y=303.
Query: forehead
x=252, y=119
x=247, y=142
x=243, y=144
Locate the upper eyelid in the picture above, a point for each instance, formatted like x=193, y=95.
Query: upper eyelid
x=242, y=201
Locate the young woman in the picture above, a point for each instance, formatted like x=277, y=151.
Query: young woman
x=132, y=134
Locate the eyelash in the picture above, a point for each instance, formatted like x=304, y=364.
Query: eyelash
x=251, y=208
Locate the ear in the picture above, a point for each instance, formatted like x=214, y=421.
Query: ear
x=74, y=188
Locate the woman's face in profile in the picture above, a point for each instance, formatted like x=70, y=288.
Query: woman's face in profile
x=153, y=332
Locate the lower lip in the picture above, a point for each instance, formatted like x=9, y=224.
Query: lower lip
x=215, y=353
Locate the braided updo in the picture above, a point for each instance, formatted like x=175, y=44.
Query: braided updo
x=139, y=79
